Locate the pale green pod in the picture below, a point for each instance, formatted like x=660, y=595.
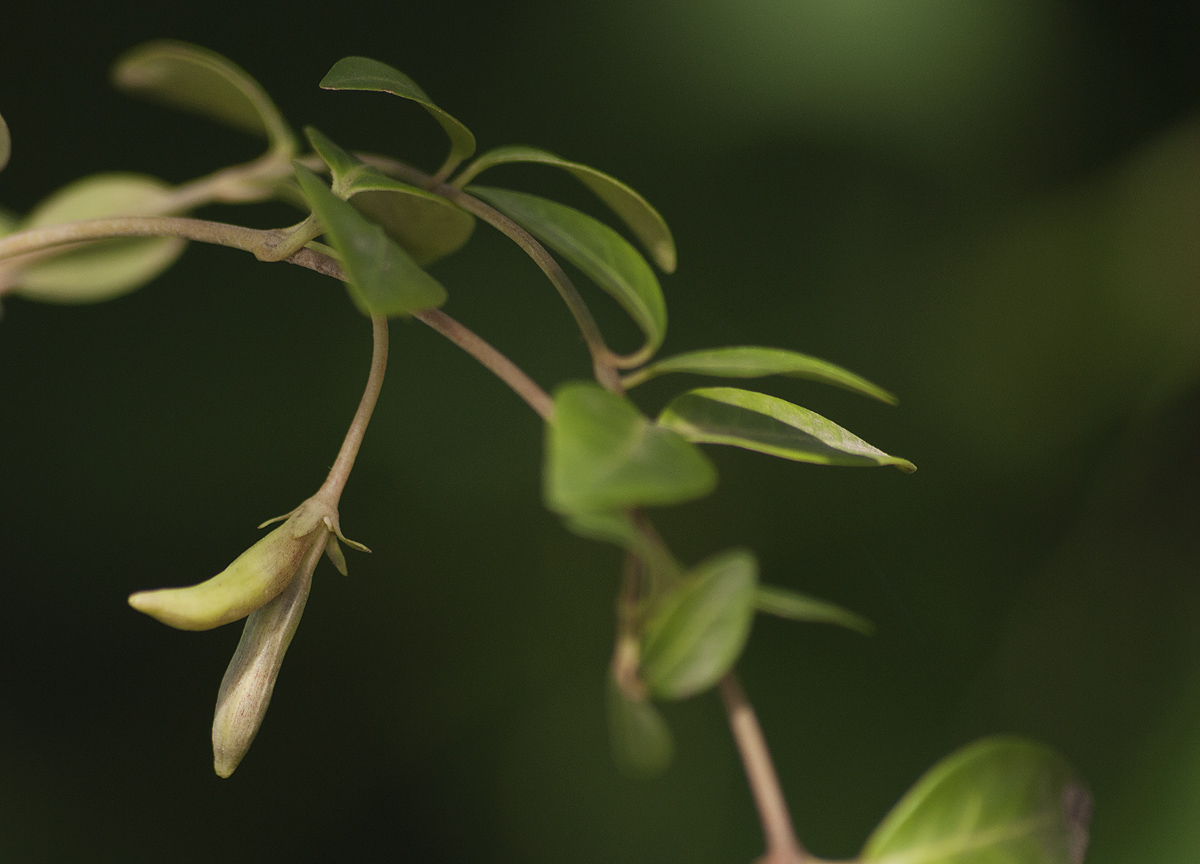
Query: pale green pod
x=250, y=679
x=254, y=579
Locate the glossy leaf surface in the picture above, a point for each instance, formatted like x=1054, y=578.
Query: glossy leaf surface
x=800, y=607
x=603, y=455
x=635, y=211
x=383, y=279
x=765, y=424
x=196, y=79
x=605, y=256
x=698, y=630
x=100, y=270
x=426, y=226
x=997, y=801
x=640, y=739
x=753, y=362
x=5, y=143
x=363, y=73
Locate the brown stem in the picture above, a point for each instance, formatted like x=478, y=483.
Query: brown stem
x=340, y=472
x=780, y=836
x=503, y=368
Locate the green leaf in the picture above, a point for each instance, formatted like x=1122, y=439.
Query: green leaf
x=613, y=526
x=382, y=278
x=635, y=211
x=426, y=226
x=8, y=222
x=100, y=270
x=696, y=633
x=193, y=78
x=752, y=362
x=363, y=73
x=603, y=455
x=640, y=739
x=755, y=421
x=604, y=255
x=997, y=801
x=5, y=143
x=800, y=607
x=342, y=165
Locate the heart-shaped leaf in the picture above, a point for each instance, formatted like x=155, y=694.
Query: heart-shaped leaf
x=363, y=73
x=640, y=739
x=603, y=455
x=635, y=211
x=100, y=270
x=698, y=630
x=187, y=76
x=749, y=361
x=605, y=256
x=800, y=607
x=5, y=143
x=382, y=278
x=755, y=421
x=997, y=801
x=426, y=226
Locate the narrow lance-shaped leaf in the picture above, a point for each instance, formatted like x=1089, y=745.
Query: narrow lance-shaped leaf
x=196, y=79
x=5, y=143
x=363, y=73
x=800, y=607
x=696, y=633
x=605, y=256
x=747, y=361
x=426, y=226
x=997, y=801
x=603, y=455
x=103, y=269
x=382, y=278
x=640, y=739
x=765, y=424
x=635, y=211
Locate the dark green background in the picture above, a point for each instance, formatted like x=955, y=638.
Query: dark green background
x=991, y=208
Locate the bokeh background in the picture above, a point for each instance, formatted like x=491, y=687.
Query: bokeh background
x=990, y=207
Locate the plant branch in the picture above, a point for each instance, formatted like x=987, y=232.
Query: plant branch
x=503, y=368
x=340, y=472
x=604, y=360
x=780, y=836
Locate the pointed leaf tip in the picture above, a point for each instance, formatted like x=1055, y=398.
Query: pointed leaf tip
x=363, y=73
x=765, y=424
x=196, y=79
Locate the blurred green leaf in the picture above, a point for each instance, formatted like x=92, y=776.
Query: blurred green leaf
x=8, y=222
x=426, y=226
x=800, y=607
x=696, y=633
x=997, y=801
x=752, y=362
x=100, y=270
x=187, y=76
x=610, y=526
x=5, y=143
x=603, y=455
x=755, y=421
x=363, y=73
x=635, y=211
x=640, y=739
x=383, y=279
x=604, y=255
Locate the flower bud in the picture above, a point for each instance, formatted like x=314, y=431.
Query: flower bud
x=250, y=679
x=255, y=577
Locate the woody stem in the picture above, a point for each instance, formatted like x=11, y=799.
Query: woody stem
x=340, y=472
